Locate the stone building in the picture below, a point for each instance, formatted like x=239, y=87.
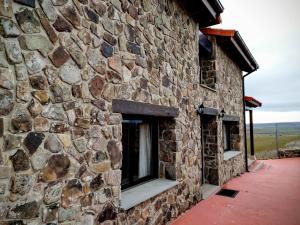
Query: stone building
x=116, y=111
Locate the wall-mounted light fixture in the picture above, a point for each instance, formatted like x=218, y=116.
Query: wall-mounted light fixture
x=200, y=109
x=222, y=113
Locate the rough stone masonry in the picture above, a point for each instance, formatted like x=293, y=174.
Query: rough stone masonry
x=61, y=64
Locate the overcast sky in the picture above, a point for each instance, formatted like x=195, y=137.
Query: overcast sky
x=271, y=30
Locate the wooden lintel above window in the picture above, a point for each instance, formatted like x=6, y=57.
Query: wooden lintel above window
x=139, y=108
x=210, y=111
x=229, y=118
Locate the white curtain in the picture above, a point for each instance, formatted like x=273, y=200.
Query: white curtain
x=145, y=151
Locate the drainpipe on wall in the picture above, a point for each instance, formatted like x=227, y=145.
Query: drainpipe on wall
x=244, y=110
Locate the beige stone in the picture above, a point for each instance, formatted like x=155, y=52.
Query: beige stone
x=100, y=167
x=65, y=140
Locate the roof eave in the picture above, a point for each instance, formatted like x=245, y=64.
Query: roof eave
x=245, y=52
x=252, y=102
x=236, y=46
x=205, y=12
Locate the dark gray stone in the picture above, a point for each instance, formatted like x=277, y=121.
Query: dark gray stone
x=33, y=141
x=62, y=25
x=30, y=3
x=91, y=15
x=27, y=210
x=110, y=39
x=108, y=213
x=38, y=82
x=97, y=183
x=70, y=13
x=107, y=50
x=20, y=161
x=133, y=48
x=28, y=21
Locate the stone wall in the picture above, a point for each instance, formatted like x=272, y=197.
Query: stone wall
x=208, y=73
x=291, y=152
x=231, y=168
x=210, y=150
x=61, y=64
x=227, y=95
x=231, y=97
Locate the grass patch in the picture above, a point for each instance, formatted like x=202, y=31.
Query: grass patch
x=267, y=142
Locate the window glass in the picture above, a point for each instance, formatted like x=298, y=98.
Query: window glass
x=226, y=135
x=139, y=150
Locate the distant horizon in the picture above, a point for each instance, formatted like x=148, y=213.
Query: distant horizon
x=274, y=122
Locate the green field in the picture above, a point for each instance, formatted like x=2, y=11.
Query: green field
x=265, y=136
x=267, y=142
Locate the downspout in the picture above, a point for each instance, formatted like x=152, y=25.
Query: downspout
x=244, y=110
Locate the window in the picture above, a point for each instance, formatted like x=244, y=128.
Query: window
x=208, y=76
x=227, y=138
x=140, y=150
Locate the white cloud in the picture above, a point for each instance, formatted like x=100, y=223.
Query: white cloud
x=274, y=117
x=271, y=30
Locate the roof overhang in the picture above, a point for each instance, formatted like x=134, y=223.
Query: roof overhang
x=233, y=44
x=252, y=102
x=205, y=12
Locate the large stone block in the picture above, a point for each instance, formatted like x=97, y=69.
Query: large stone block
x=6, y=102
x=36, y=42
x=6, y=8
x=20, y=161
x=27, y=210
x=28, y=21
x=32, y=141
x=59, y=56
x=21, y=120
x=57, y=167
x=13, y=51
x=47, y=26
x=8, y=28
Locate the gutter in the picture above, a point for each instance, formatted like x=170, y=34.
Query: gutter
x=219, y=6
x=244, y=110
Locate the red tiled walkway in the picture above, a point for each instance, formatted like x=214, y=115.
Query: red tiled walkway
x=270, y=196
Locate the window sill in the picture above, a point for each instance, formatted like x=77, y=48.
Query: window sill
x=231, y=154
x=143, y=192
x=204, y=86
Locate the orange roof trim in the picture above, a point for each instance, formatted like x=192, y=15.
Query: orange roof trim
x=235, y=47
x=252, y=102
x=218, y=32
